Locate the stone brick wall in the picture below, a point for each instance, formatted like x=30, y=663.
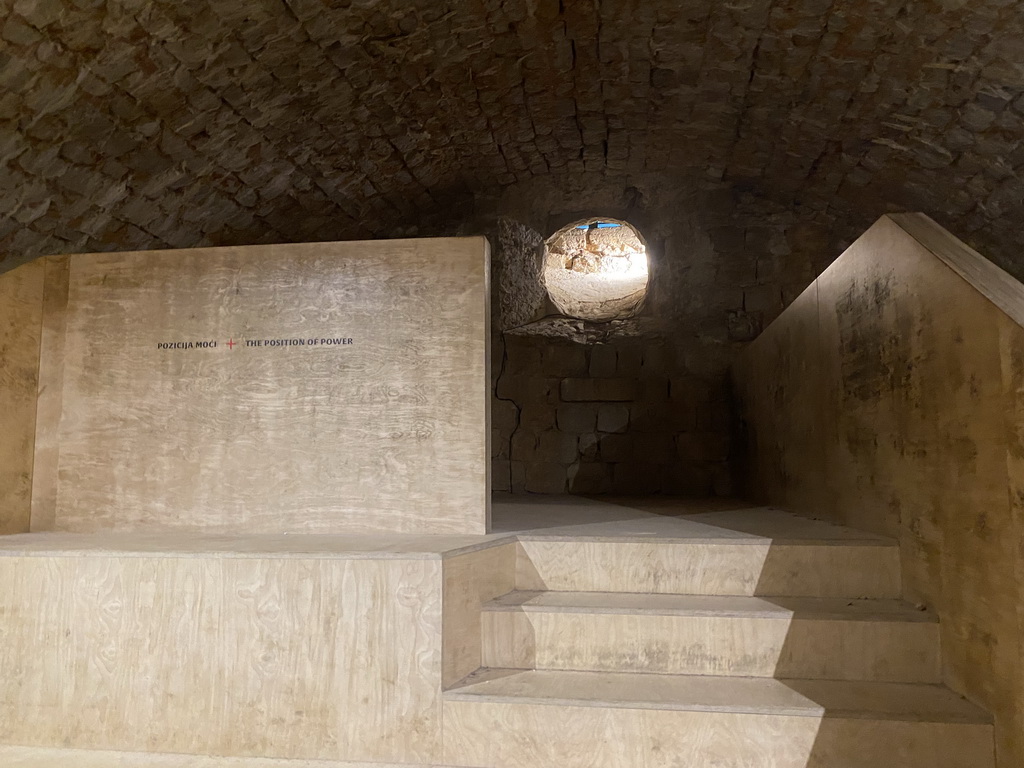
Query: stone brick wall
x=609, y=417
x=174, y=123
x=639, y=405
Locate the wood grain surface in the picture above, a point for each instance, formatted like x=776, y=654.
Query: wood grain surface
x=275, y=429
x=51, y=393
x=529, y=734
x=43, y=757
x=470, y=580
x=708, y=568
x=916, y=388
x=321, y=658
x=536, y=634
x=21, y=292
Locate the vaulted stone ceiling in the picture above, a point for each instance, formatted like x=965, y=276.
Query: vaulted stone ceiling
x=140, y=124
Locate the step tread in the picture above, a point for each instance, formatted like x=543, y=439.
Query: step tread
x=749, y=695
x=720, y=606
x=667, y=520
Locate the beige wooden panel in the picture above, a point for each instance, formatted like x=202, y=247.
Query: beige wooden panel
x=21, y=309
x=386, y=433
x=918, y=379
x=701, y=568
x=51, y=393
x=470, y=580
x=525, y=735
x=757, y=646
x=1013, y=376
x=277, y=657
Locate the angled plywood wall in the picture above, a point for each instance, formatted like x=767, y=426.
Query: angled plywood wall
x=331, y=387
x=21, y=311
x=890, y=397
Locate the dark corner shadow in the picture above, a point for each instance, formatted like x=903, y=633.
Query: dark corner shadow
x=875, y=695
x=522, y=512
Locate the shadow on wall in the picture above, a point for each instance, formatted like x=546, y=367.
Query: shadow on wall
x=608, y=417
x=837, y=672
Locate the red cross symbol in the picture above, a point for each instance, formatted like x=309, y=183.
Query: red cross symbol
x=231, y=344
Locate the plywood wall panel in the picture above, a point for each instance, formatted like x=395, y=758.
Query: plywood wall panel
x=470, y=580
x=920, y=380
x=21, y=295
x=276, y=657
x=386, y=433
x=51, y=394
x=789, y=364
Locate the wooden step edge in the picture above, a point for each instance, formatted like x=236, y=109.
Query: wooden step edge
x=831, y=609
x=597, y=538
x=958, y=711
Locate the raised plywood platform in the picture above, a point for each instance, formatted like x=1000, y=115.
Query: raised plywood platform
x=318, y=388
x=327, y=649
x=333, y=651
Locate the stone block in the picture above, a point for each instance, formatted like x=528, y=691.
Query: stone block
x=523, y=355
x=589, y=446
x=690, y=446
x=722, y=479
x=598, y=390
x=517, y=476
x=629, y=359
x=39, y=13
x=558, y=447
x=504, y=415
x=727, y=239
x=577, y=418
x=661, y=417
x=521, y=389
x=630, y=477
x=716, y=417
x=543, y=477
x=523, y=444
x=744, y=326
x=501, y=479
x=536, y=416
x=688, y=480
x=590, y=477
x=762, y=298
x=602, y=360
x=561, y=360
x=616, y=447
x=655, y=448
x=499, y=444
x=654, y=390
x=654, y=359
x=612, y=418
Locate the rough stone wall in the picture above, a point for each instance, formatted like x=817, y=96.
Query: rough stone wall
x=617, y=416
x=640, y=405
x=171, y=123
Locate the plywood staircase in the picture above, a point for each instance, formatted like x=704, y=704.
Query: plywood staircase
x=740, y=652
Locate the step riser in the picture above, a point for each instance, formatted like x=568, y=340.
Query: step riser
x=889, y=651
x=514, y=735
x=42, y=757
x=805, y=570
